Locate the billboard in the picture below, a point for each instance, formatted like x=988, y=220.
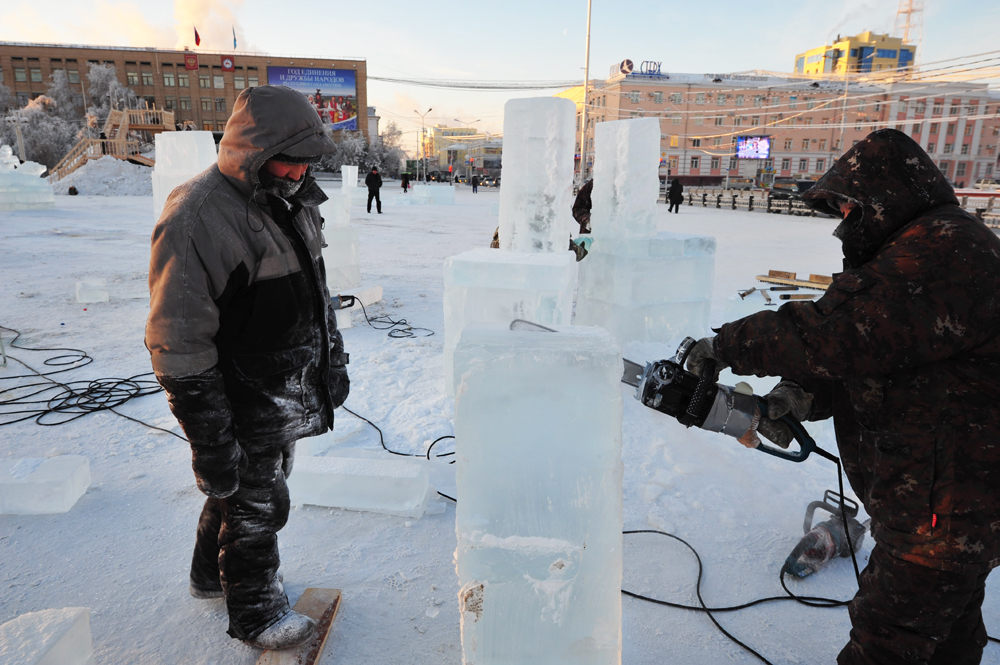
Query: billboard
x=753, y=147
x=332, y=92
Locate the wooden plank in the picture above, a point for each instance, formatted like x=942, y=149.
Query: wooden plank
x=320, y=605
x=822, y=279
x=780, y=274
x=792, y=282
x=797, y=296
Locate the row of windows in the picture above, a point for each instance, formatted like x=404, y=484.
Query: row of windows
x=205, y=103
x=701, y=98
x=181, y=79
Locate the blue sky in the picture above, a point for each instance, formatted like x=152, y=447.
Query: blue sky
x=501, y=39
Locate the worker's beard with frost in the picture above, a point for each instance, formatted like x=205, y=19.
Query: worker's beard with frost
x=283, y=187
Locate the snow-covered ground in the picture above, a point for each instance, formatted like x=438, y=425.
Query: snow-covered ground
x=108, y=176
x=124, y=549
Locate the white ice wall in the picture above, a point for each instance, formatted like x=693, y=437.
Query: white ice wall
x=180, y=156
x=539, y=477
x=626, y=180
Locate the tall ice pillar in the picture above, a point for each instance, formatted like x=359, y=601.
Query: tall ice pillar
x=639, y=284
x=533, y=274
x=538, y=419
x=180, y=156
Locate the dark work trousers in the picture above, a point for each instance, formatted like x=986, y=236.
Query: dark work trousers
x=674, y=207
x=373, y=194
x=906, y=613
x=475, y=188
x=237, y=544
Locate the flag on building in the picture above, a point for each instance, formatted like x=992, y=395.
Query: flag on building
x=234, y=38
x=197, y=38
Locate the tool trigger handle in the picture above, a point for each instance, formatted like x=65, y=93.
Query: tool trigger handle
x=806, y=443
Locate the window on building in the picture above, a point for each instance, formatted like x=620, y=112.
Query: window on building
x=934, y=128
x=989, y=169
x=239, y=82
x=673, y=163
x=949, y=148
x=732, y=164
x=23, y=98
x=204, y=81
x=931, y=147
x=206, y=104
x=738, y=121
x=695, y=143
x=719, y=120
x=36, y=75
x=219, y=83
x=822, y=144
x=20, y=74
x=878, y=106
x=715, y=163
x=786, y=164
x=74, y=76
x=251, y=80
x=633, y=96
x=168, y=79
x=676, y=98
x=169, y=103
x=968, y=129
x=805, y=144
x=921, y=108
x=964, y=150
x=857, y=125
x=944, y=167
x=793, y=101
x=220, y=104
x=755, y=121
x=699, y=119
x=938, y=109
x=185, y=103
x=699, y=98
x=954, y=110
x=674, y=141
x=147, y=78
x=951, y=129
x=150, y=101
x=803, y=165
x=861, y=106
x=739, y=100
x=675, y=118
x=132, y=78
x=658, y=97
x=807, y=121
x=720, y=99
x=960, y=169
x=207, y=126
x=788, y=144
x=183, y=80
x=695, y=161
x=758, y=100
x=717, y=142
x=810, y=102
x=820, y=163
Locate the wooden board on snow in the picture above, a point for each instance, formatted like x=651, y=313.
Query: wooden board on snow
x=320, y=605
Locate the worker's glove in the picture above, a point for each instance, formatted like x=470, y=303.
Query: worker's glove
x=340, y=384
x=787, y=398
x=580, y=247
x=217, y=469
x=703, y=351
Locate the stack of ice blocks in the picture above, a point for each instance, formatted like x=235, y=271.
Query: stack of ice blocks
x=640, y=285
x=342, y=255
x=533, y=274
x=180, y=156
x=539, y=476
x=21, y=185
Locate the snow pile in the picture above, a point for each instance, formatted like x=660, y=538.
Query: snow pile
x=108, y=176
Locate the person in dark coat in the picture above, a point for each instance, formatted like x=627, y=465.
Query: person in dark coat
x=374, y=181
x=675, y=196
x=475, y=184
x=244, y=342
x=406, y=182
x=582, y=205
x=903, y=352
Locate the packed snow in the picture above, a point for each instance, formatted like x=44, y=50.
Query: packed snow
x=108, y=176
x=124, y=549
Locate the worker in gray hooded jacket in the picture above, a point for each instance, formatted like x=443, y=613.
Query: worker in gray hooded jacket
x=244, y=342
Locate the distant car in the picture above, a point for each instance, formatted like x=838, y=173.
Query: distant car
x=986, y=183
x=461, y=179
x=741, y=183
x=788, y=188
x=488, y=181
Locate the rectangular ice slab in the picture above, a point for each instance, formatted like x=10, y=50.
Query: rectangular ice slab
x=538, y=421
x=336, y=210
x=490, y=286
x=389, y=486
x=433, y=194
x=180, y=156
x=92, y=289
x=647, y=289
x=48, y=637
x=42, y=486
x=626, y=180
x=342, y=258
x=349, y=176
x=536, y=198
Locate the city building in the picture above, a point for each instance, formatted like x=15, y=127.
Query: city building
x=198, y=87
x=807, y=122
x=443, y=145
x=865, y=52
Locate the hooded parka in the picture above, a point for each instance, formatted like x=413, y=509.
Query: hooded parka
x=244, y=342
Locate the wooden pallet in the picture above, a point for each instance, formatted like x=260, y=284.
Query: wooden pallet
x=320, y=605
x=820, y=282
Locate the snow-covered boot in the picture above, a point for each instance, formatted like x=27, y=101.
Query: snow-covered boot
x=290, y=630
x=202, y=592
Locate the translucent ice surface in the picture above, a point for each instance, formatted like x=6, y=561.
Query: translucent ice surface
x=336, y=210
x=490, y=286
x=434, y=194
x=92, y=289
x=626, y=180
x=647, y=289
x=389, y=486
x=342, y=257
x=349, y=175
x=21, y=188
x=48, y=637
x=538, y=421
x=42, y=486
x=180, y=156
x=536, y=198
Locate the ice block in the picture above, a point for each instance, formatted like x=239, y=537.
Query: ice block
x=48, y=637
x=536, y=198
x=92, y=289
x=42, y=486
x=336, y=210
x=180, y=156
x=21, y=187
x=433, y=194
x=648, y=289
x=626, y=180
x=342, y=258
x=388, y=486
x=490, y=286
x=539, y=478
x=349, y=176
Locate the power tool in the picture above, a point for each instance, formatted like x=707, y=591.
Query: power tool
x=827, y=539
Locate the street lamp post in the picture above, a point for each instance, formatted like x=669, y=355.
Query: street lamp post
x=583, y=113
x=421, y=146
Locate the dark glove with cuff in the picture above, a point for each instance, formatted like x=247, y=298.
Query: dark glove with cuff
x=786, y=398
x=703, y=350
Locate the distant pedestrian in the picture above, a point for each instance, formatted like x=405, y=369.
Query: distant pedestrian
x=374, y=181
x=475, y=184
x=675, y=196
x=104, y=145
x=406, y=182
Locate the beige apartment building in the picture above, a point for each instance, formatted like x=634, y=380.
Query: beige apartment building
x=808, y=122
x=198, y=87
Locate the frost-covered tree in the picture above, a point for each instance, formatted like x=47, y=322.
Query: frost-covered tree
x=6, y=99
x=47, y=136
x=62, y=94
x=105, y=92
x=384, y=152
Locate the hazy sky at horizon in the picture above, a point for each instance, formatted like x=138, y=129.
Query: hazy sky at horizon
x=506, y=40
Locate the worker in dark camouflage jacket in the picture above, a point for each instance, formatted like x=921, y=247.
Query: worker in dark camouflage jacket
x=903, y=352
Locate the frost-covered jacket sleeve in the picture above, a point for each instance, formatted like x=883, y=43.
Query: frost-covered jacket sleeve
x=909, y=306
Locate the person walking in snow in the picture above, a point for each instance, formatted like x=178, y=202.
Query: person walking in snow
x=405, y=178
x=374, y=181
x=903, y=352
x=675, y=196
x=475, y=184
x=244, y=342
